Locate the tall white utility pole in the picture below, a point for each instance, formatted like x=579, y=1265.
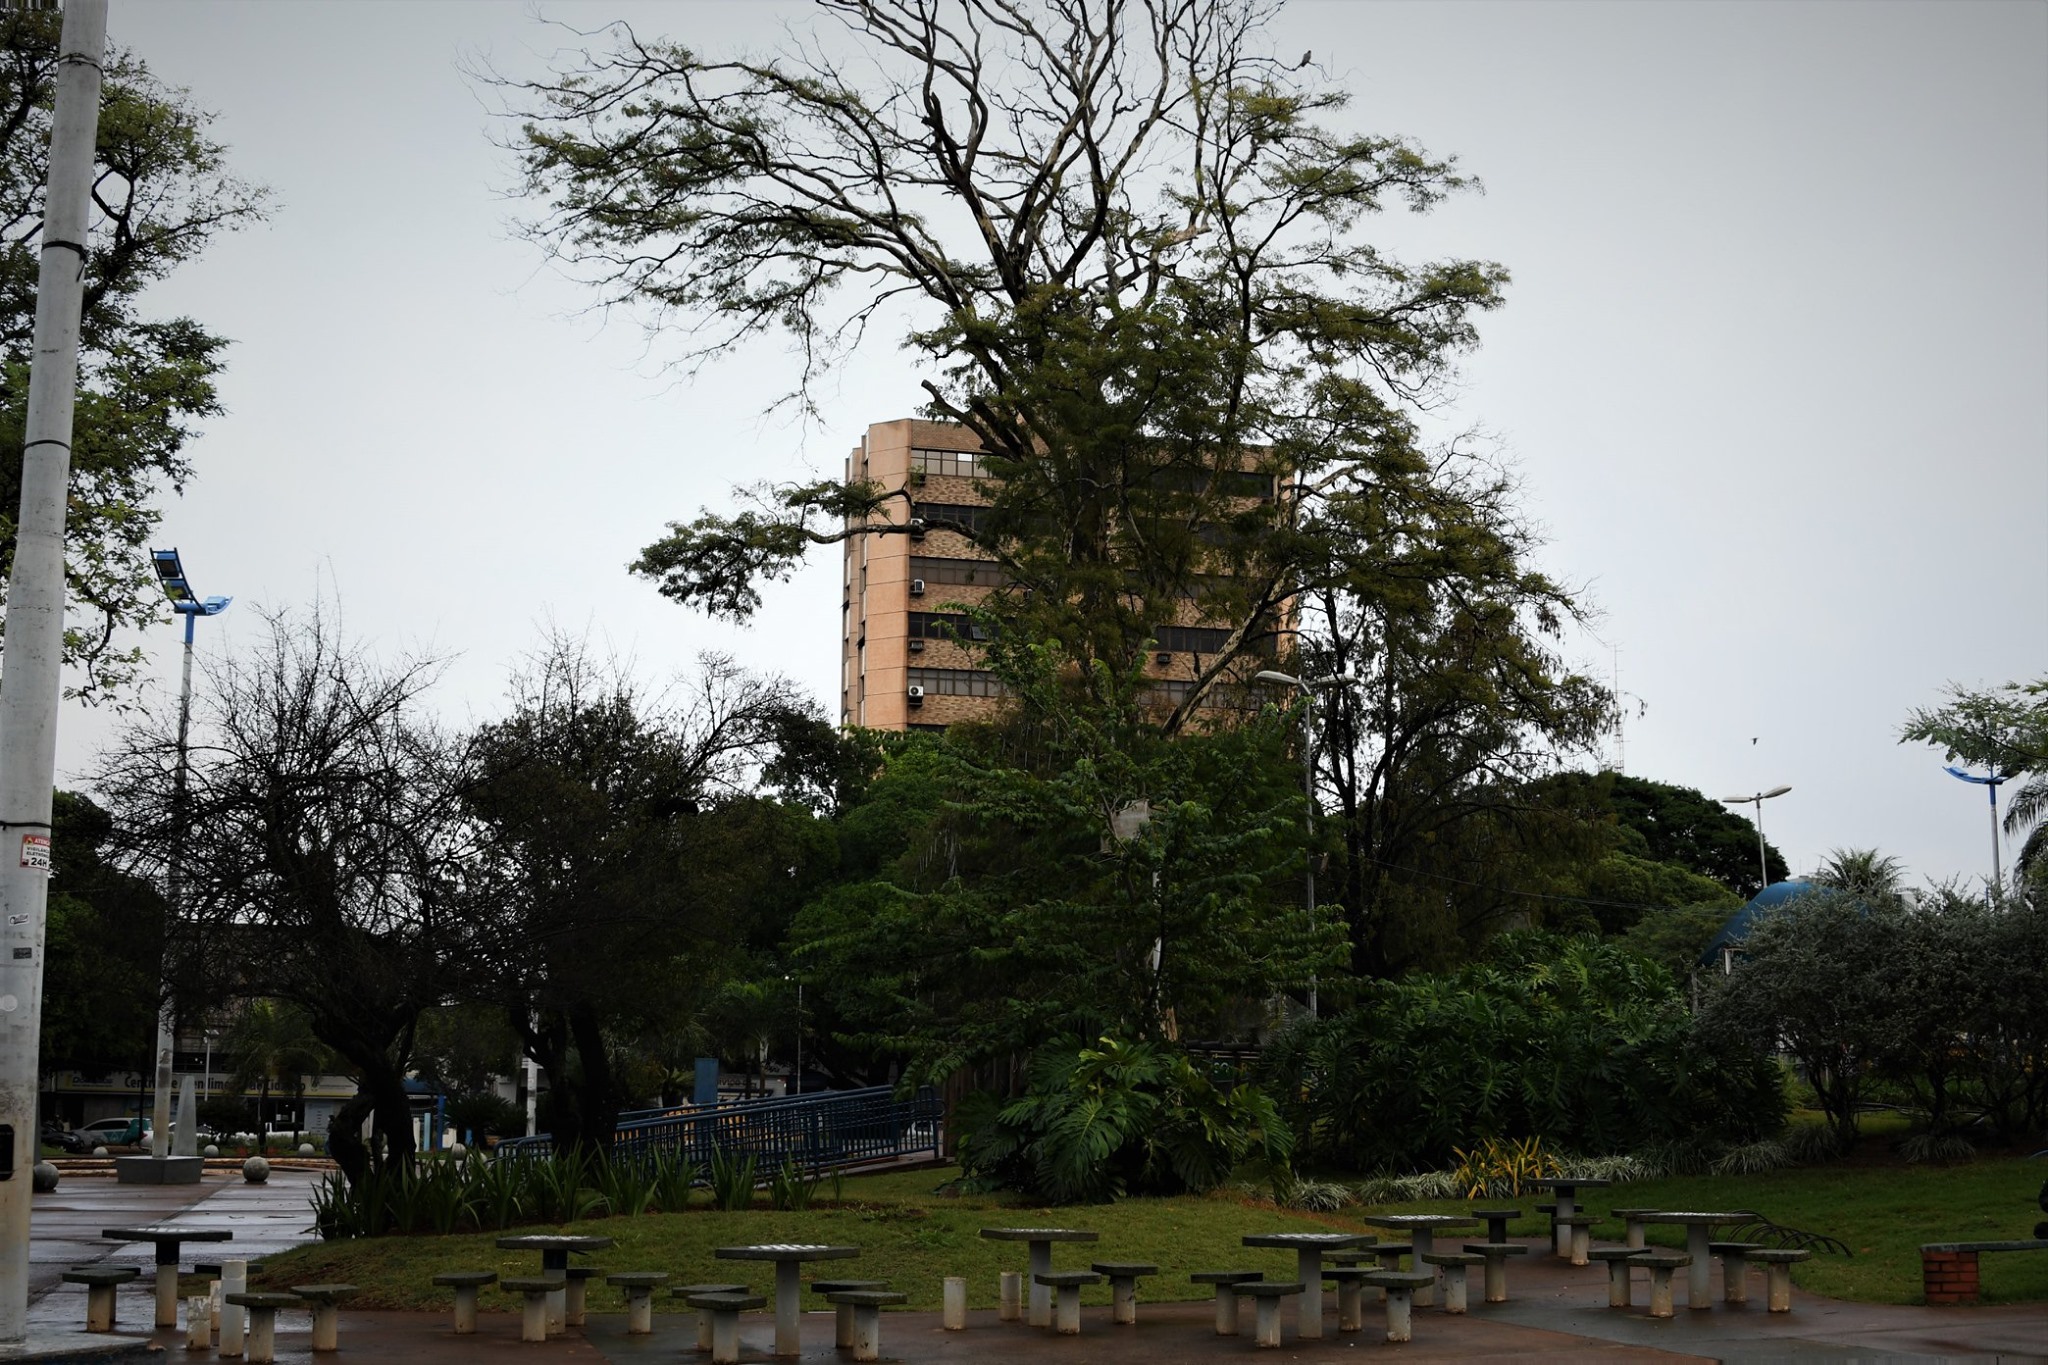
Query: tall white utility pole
x=30, y=684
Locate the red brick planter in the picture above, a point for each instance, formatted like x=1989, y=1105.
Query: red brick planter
x=1949, y=1277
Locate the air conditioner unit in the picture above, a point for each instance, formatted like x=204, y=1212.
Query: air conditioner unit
x=1162, y=657
x=915, y=694
x=917, y=646
x=917, y=587
x=917, y=528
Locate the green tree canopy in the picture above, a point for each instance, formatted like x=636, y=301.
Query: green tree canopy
x=1127, y=246
x=2003, y=730
x=161, y=193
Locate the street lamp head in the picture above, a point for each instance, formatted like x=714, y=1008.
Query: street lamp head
x=1268, y=675
x=1738, y=800
x=170, y=571
x=1775, y=791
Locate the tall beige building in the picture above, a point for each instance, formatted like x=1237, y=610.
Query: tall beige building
x=903, y=663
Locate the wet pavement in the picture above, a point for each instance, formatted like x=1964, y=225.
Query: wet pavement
x=1556, y=1312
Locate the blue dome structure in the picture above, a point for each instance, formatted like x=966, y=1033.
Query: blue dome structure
x=1739, y=924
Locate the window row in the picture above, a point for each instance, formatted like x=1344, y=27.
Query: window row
x=979, y=573
x=961, y=464
x=957, y=682
x=942, y=625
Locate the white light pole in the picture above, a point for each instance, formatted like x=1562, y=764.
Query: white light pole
x=35, y=631
x=170, y=571
x=1757, y=800
x=1990, y=784
x=1306, y=686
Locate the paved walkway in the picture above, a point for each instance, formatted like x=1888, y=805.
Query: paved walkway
x=1556, y=1313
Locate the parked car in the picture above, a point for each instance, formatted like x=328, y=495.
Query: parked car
x=115, y=1132
x=63, y=1139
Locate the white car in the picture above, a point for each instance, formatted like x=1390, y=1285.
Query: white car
x=113, y=1132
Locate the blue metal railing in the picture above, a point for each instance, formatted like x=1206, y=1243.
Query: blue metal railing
x=814, y=1132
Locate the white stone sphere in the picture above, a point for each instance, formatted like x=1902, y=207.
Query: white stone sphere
x=306, y=1149
x=45, y=1176
x=458, y=1151
x=99, y=1151
x=255, y=1170
x=211, y=1150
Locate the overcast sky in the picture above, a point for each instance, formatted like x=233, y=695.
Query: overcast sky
x=1774, y=364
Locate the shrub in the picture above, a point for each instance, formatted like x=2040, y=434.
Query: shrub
x=1096, y=1123
x=1574, y=1040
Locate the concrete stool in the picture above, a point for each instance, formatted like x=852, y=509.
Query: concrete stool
x=1350, y=1282
x=1455, y=1266
x=533, y=1320
x=1660, y=1264
x=1734, y=1268
x=724, y=1311
x=261, y=1348
x=100, y=1281
x=1389, y=1255
x=576, y=1297
x=1497, y=1221
x=1227, y=1283
x=1400, y=1286
x=1123, y=1287
x=1066, y=1287
x=1581, y=1227
x=327, y=1300
x=466, y=1283
x=1618, y=1260
x=842, y=1322
x=866, y=1307
x=1632, y=1224
x=1267, y=1294
x=1496, y=1254
x=639, y=1286
x=1777, y=1266
x=199, y=1322
x=704, y=1319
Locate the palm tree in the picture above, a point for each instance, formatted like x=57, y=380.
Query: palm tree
x=1863, y=872
x=268, y=1041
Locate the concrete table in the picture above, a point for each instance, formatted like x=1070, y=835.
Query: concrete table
x=1422, y=1229
x=554, y=1249
x=1308, y=1248
x=1699, y=1230
x=789, y=1258
x=1040, y=1241
x=168, y=1237
x=1567, y=1194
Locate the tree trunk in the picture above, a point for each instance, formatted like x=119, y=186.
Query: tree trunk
x=345, y=1138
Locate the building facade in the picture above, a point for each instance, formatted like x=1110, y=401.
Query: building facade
x=907, y=661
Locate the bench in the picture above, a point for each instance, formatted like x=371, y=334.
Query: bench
x=1633, y=1221
x=1066, y=1286
x=533, y=1320
x=1496, y=1254
x=261, y=1347
x=1497, y=1221
x=1618, y=1260
x=1580, y=1226
x=1350, y=1282
x=842, y=1317
x=1226, y=1282
x=1778, y=1262
x=1948, y=1270
x=866, y=1307
x=1455, y=1265
x=100, y=1282
x=465, y=1283
x=327, y=1300
x=724, y=1310
x=1734, y=1268
x=1123, y=1279
x=1400, y=1287
x=639, y=1287
x=1660, y=1264
x=1267, y=1295
x=684, y=1291
x=576, y=1297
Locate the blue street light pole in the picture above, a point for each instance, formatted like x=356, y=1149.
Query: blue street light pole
x=1991, y=784
x=170, y=571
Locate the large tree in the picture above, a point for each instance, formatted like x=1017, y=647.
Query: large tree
x=319, y=850
x=1123, y=241
x=161, y=192
x=2003, y=730
x=623, y=854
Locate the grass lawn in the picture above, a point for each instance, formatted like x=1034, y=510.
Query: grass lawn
x=915, y=1238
